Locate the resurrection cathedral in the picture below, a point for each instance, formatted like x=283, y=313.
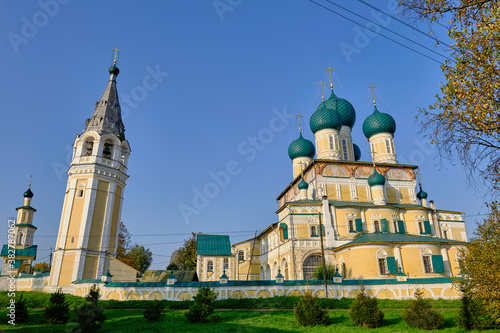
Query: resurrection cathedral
x=374, y=227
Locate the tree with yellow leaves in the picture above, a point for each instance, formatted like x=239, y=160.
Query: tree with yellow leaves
x=480, y=264
x=464, y=120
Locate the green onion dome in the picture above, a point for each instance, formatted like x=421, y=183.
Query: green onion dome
x=28, y=193
x=303, y=185
x=114, y=70
x=325, y=117
x=344, y=108
x=376, y=178
x=301, y=148
x=357, y=152
x=421, y=194
x=378, y=122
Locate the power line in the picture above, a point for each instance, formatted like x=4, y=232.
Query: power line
x=408, y=39
x=378, y=33
x=403, y=22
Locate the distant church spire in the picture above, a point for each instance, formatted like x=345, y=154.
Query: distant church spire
x=107, y=117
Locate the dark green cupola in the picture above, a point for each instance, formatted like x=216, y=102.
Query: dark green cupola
x=376, y=178
x=114, y=70
x=357, y=152
x=303, y=185
x=301, y=148
x=325, y=117
x=343, y=107
x=421, y=195
x=28, y=193
x=378, y=122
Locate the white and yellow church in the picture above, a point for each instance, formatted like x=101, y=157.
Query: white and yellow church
x=367, y=217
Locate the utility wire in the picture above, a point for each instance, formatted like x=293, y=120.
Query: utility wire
x=403, y=22
x=392, y=40
x=397, y=34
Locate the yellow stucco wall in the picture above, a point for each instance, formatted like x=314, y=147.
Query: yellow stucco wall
x=98, y=216
x=114, y=221
x=68, y=262
x=90, y=267
x=75, y=219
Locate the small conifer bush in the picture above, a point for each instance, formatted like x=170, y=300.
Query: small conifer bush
x=90, y=315
x=364, y=311
x=203, y=307
x=154, y=312
x=472, y=314
x=421, y=315
x=21, y=310
x=57, y=312
x=308, y=311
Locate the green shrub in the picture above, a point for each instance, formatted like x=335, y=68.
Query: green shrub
x=154, y=312
x=318, y=272
x=421, y=315
x=57, y=312
x=472, y=314
x=21, y=310
x=308, y=311
x=364, y=311
x=90, y=315
x=203, y=307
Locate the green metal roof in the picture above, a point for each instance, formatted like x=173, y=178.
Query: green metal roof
x=32, y=275
x=25, y=225
x=27, y=252
x=87, y=281
x=301, y=148
x=17, y=263
x=325, y=117
x=213, y=245
x=396, y=238
x=376, y=178
x=344, y=108
x=378, y=122
x=26, y=207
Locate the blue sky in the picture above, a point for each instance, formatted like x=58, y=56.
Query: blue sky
x=222, y=71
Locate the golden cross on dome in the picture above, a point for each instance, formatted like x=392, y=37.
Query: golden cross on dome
x=418, y=175
x=29, y=186
x=299, y=116
x=331, y=80
x=372, y=152
x=116, y=54
x=371, y=86
x=321, y=84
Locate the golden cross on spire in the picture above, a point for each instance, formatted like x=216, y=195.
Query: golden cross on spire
x=299, y=116
x=331, y=80
x=29, y=186
x=371, y=86
x=321, y=84
x=418, y=175
x=116, y=54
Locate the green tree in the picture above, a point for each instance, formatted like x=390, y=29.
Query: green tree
x=91, y=314
x=308, y=311
x=480, y=263
x=124, y=245
x=142, y=257
x=203, y=307
x=318, y=272
x=57, y=312
x=364, y=311
x=42, y=266
x=421, y=315
x=185, y=256
x=463, y=120
x=155, y=311
x=172, y=266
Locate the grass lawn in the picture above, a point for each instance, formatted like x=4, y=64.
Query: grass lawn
x=230, y=321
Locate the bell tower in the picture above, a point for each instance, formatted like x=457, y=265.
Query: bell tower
x=88, y=231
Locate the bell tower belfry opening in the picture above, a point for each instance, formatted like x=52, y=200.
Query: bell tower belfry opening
x=88, y=231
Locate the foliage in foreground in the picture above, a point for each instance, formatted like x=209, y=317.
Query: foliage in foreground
x=154, y=312
x=57, y=312
x=365, y=312
x=308, y=311
x=90, y=315
x=471, y=314
x=481, y=265
x=203, y=307
x=318, y=272
x=421, y=315
x=185, y=256
x=22, y=315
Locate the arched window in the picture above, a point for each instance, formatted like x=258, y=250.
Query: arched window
x=241, y=255
x=344, y=150
x=387, y=146
x=310, y=265
x=427, y=260
x=314, y=231
x=210, y=266
x=88, y=147
x=330, y=141
x=382, y=262
x=376, y=225
x=21, y=238
x=107, y=150
x=226, y=263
